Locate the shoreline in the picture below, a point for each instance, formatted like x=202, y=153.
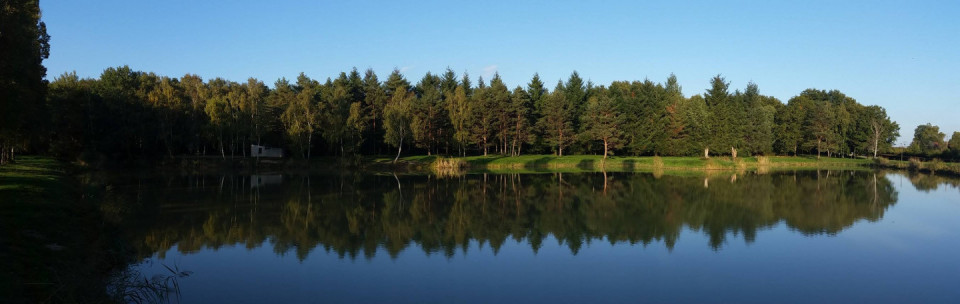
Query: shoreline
x=595, y=163
x=447, y=165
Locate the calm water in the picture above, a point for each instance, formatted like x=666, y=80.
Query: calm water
x=807, y=236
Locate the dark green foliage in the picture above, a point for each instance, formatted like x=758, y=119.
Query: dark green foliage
x=522, y=120
x=873, y=131
x=556, y=120
x=24, y=44
x=499, y=104
x=953, y=147
x=757, y=126
x=644, y=108
x=428, y=114
x=954, y=143
x=927, y=140
x=722, y=112
x=603, y=122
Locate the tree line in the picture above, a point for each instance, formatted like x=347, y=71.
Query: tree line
x=127, y=114
x=929, y=142
x=24, y=44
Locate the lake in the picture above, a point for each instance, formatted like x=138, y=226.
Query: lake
x=352, y=237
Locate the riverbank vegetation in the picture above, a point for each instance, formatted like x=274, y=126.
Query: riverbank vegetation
x=446, y=114
x=623, y=163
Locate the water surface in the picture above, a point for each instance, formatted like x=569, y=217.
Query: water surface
x=805, y=236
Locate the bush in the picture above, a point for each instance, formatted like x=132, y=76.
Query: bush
x=449, y=163
x=449, y=167
x=915, y=164
x=936, y=165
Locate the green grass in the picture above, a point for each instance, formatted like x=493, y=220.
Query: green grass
x=935, y=167
x=588, y=163
x=53, y=247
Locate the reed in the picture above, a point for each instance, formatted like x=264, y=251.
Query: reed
x=763, y=161
x=449, y=167
x=131, y=286
x=740, y=164
x=658, y=163
x=711, y=164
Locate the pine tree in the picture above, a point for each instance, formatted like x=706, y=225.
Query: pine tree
x=24, y=44
x=721, y=113
x=521, y=109
x=602, y=121
x=556, y=122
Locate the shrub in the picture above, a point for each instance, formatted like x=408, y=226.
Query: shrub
x=741, y=165
x=449, y=167
x=915, y=164
x=658, y=162
x=936, y=165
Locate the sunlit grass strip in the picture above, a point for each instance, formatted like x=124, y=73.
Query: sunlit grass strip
x=935, y=166
x=593, y=162
x=449, y=167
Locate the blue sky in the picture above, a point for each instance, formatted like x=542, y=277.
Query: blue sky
x=902, y=55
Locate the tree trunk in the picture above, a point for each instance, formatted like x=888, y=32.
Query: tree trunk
x=605, y=149
x=818, y=148
x=3, y=155
x=399, y=148
x=560, y=145
x=876, y=143
x=484, y=145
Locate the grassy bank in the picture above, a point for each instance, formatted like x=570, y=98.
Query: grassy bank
x=55, y=247
x=935, y=166
x=644, y=163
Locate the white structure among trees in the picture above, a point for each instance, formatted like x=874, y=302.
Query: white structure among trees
x=264, y=151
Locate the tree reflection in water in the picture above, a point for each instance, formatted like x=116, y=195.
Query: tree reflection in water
x=354, y=214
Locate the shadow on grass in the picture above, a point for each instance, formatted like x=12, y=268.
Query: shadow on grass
x=56, y=245
x=586, y=164
x=540, y=164
x=483, y=161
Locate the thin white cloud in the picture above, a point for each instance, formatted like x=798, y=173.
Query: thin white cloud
x=488, y=71
x=405, y=69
